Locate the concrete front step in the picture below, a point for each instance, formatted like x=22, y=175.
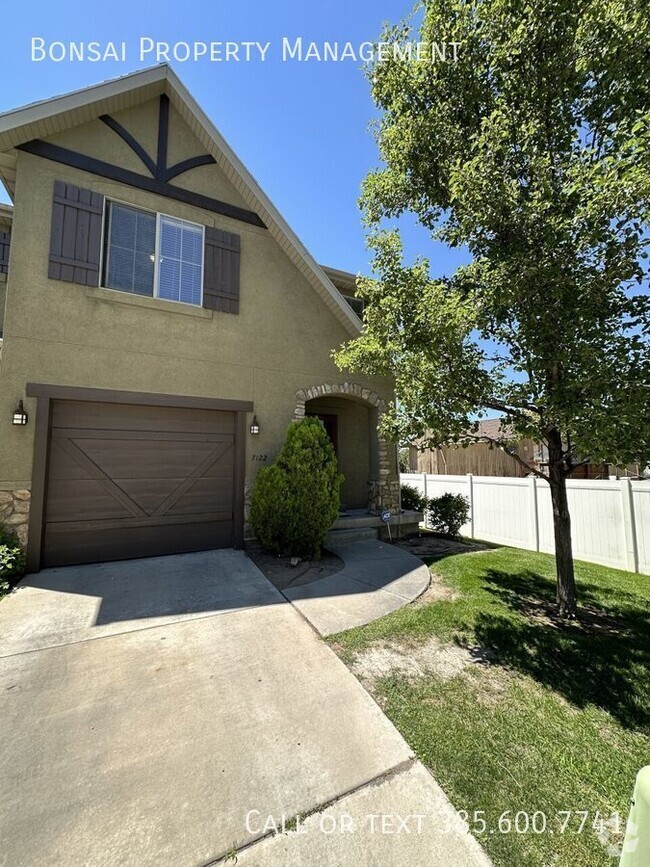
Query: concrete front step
x=350, y=534
x=402, y=524
x=356, y=518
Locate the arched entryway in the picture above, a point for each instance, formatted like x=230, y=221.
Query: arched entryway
x=351, y=414
x=351, y=428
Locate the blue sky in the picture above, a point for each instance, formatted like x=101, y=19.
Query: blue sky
x=301, y=128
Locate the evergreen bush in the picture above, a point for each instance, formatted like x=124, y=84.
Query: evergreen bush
x=296, y=500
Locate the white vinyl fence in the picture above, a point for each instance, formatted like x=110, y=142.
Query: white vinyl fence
x=610, y=520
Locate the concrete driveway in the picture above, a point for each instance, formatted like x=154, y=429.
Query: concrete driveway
x=160, y=711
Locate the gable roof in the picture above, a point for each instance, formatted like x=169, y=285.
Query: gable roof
x=51, y=116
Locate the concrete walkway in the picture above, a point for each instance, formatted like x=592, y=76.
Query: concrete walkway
x=172, y=711
x=377, y=579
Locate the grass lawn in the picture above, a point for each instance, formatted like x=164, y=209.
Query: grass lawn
x=557, y=719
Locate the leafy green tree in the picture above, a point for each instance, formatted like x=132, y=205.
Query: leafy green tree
x=296, y=499
x=531, y=151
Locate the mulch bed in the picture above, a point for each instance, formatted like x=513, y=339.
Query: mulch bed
x=283, y=575
x=431, y=546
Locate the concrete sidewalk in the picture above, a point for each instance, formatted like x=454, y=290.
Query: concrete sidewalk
x=172, y=736
x=402, y=820
x=377, y=579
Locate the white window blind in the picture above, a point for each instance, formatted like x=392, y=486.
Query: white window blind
x=180, y=263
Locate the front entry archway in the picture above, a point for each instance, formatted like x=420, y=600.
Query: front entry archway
x=371, y=481
x=350, y=429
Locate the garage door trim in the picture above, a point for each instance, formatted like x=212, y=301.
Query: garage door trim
x=105, y=395
x=45, y=393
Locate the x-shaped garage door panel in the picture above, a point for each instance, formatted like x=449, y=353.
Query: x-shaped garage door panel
x=146, y=477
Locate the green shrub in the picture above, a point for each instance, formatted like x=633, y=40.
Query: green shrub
x=12, y=560
x=447, y=514
x=412, y=499
x=295, y=501
x=268, y=514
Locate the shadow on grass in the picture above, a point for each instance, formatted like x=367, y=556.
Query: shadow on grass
x=602, y=659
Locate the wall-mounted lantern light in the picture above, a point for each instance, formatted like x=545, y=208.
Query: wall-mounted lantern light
x=255, y=427
x=20, y=416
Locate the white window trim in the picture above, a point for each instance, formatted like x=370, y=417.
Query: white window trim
x=157, y=258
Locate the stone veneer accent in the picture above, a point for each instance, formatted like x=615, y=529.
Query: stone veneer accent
x=14, y=512
x=384, y=494
x=345, y=389
x=384, y=491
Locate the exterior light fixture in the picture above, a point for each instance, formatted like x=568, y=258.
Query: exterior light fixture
x=20, y=416
x=255, y=427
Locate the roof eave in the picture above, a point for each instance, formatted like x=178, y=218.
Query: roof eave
x=16, y=122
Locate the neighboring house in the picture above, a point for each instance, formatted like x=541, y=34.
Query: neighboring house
x=163, y=327
x=488, y=459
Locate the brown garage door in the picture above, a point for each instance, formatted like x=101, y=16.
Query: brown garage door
x=136, y=481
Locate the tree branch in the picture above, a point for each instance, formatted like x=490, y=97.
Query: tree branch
x=504, y=407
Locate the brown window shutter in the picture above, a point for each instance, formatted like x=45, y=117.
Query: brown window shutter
x=5, y=241
x=221, y=271
x=76, y=238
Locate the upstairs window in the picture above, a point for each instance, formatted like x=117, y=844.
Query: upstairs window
x=153, y=254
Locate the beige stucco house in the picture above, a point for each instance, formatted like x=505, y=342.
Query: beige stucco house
x=158, y=311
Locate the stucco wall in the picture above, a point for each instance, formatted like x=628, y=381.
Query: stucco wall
x=66, y=334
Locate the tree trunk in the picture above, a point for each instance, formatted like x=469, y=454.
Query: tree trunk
x=566, y=585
